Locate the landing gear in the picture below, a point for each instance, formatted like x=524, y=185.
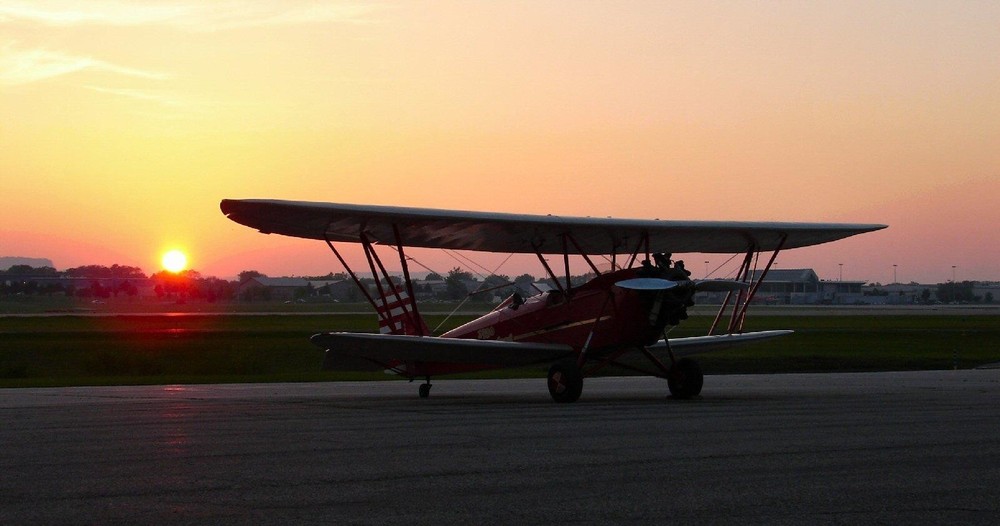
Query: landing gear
x=565, y=381
x=425, y=389
x=685, y=379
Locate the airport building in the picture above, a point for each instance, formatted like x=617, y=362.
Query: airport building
x=798, y=287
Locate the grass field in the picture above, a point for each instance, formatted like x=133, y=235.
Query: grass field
x=163, y=349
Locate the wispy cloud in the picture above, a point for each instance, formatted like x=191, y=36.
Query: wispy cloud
x=24, y=66
x=140, y=94
x=187, y=16
x=21, y=65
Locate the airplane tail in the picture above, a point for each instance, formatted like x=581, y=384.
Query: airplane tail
x=396, y=315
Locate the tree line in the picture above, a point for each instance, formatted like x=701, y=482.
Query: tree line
x=98, y=281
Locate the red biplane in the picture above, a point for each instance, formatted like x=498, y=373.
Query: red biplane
x=619, y=318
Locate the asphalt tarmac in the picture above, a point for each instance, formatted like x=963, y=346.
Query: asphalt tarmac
x=888, y=448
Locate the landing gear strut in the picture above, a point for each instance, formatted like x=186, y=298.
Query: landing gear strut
x=685, y=379
x=565, y=381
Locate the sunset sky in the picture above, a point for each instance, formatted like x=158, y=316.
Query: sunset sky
x=124, y=123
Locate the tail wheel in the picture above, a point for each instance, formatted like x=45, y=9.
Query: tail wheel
x=685, y=379
x=565, y=381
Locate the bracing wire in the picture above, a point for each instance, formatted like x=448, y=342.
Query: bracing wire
x=724, y=263
x=468, y=297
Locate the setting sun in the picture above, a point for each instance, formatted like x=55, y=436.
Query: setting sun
x=174, y=261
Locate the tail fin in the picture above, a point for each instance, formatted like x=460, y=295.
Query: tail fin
x=398, y=315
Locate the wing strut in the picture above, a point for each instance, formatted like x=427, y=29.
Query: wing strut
x=408, y=305
x=743, y=299
x=584, y=254
x=756, y=285
x=548, y=269
x=409, y=283
x=390, y=296
x=361, y=287
x=635, y=254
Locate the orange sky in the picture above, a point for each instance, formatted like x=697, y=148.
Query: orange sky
x=122, y=123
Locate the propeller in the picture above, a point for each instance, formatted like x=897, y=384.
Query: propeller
x=647, y=284
x=707, y=285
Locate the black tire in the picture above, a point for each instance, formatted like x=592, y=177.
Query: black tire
x=685, y=379
x=425, y=390
x=565, y=381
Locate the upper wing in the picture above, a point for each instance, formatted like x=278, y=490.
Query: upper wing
x=519, y=233
x=386, y=348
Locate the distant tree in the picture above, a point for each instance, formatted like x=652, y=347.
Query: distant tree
x=182, y=285
x=329, y=277
x=434, y=276
x=248, y=275
x=455, y=284
x=524, y=279
x=125, y=271
x=128, y=288
x=925, y=296
x=99, y=291
x=27, y=270
x=100, y=271
x=497, y=285
x=988, y=298
x=952, y=292
x=580, y=280
x=305, y=292
x=218, y=289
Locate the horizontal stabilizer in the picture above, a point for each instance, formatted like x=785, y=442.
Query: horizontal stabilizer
x=387, y=348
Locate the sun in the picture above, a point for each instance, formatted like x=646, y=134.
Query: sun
x=174, y=261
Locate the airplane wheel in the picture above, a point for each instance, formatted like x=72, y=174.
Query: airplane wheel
x=565, y=381
x=685, y=379
x=425, y=390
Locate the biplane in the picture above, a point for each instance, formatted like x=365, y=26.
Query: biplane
x=619, y=318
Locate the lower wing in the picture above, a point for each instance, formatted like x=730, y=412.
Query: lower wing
x=372, y=352
x=364, y=351
x=702, y=344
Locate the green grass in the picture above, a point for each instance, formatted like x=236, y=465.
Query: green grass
x=82, y=350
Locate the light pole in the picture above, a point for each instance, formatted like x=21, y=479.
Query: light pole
x=953, y=273
x=706, y=269
x=894, y=280
x=841, y=271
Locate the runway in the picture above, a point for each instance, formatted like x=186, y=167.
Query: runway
x=916, y=447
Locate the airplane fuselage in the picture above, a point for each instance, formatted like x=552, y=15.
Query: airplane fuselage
x=596, y=316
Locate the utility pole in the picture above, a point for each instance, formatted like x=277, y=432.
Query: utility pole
x=894, y=280
x=841, y=271
x=954, y=286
